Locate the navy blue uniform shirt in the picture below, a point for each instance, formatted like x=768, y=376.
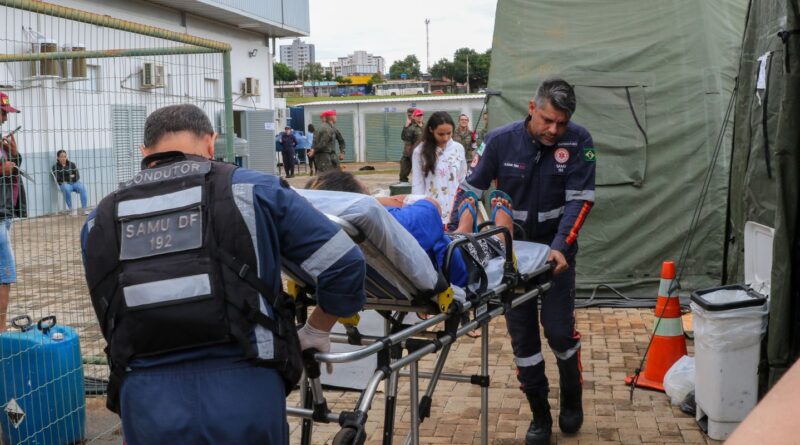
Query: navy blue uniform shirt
x=552, y=187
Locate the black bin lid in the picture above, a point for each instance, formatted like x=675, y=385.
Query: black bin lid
x=754, y=298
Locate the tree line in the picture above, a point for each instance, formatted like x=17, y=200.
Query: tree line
x=408, y=67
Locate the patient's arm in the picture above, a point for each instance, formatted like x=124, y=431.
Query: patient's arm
x=399, y=201
x=391, y=201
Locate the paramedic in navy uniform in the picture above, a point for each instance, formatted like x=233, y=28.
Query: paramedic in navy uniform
x=546, y=164
x=174, y=220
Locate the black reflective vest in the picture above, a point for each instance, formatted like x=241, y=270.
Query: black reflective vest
x=171, y=266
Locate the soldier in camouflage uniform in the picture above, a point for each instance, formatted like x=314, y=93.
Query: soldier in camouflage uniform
x=464, y=136
x=324, y=148
x=411, y=136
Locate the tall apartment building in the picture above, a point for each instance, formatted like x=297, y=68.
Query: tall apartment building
x=297, y=55
x=358, y=63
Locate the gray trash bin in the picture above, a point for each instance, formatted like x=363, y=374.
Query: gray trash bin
x=729, y=323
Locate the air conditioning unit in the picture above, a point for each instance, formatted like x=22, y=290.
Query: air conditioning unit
x=153, y=75
x=250, y=87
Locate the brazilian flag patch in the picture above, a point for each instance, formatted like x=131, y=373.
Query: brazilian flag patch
x=589, y=154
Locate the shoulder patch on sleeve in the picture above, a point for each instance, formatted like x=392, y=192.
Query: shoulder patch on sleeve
x=589, y=155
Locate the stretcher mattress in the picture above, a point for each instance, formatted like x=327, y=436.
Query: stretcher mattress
x=390, y=250
x=390, y=240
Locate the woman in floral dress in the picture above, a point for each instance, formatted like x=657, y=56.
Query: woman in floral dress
x=438, y=165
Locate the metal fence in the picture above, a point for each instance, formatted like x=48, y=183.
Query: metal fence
x=83, y=83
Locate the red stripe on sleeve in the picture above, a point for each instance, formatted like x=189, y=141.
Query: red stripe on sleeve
x=573, y=233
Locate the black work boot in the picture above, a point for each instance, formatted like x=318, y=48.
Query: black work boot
x=570, y=417
x=542, y=424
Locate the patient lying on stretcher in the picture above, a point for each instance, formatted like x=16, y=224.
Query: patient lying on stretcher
x=421, y=219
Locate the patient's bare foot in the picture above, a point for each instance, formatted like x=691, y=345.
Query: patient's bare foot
x=466, y=221
x=501, y=217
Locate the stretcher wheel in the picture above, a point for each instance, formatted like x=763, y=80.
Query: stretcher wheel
x=349, y=436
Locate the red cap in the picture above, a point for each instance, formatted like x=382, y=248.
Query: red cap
x=5, y=104
x=417, y=112
x=327, y=113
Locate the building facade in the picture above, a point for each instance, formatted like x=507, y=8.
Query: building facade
x=358, y=63
x=297, y=55
x=96, y=109
x=371, y=128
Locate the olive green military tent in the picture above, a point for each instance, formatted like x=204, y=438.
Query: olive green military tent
x=653, y=79
x=765, y=165
x=655, y=84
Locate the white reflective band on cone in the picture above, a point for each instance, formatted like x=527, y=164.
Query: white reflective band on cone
x=663, y=288
x=669, y=327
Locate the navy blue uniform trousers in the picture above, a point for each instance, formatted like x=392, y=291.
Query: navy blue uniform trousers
x=558, y=321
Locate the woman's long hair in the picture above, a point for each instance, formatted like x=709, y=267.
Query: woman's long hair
x=428, y=151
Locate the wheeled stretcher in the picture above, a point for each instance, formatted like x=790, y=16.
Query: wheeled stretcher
x=401, y=280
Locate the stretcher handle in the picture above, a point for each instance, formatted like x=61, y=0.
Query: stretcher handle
x=22, y=322
x=478, y=236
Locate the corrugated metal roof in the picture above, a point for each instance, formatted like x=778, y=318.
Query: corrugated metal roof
x=276, y=18
x=421, y=98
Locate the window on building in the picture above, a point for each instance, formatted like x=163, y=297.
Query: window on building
x=93, y=80
x=211, y=88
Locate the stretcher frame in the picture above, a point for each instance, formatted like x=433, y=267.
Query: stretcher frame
x=417, y=340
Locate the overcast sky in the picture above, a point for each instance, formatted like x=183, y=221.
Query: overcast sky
x=395, y=29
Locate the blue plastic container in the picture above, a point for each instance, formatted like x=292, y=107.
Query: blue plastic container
x=41, y=391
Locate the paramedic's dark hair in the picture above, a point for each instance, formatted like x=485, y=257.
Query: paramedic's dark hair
x=428, y=151
x=336, y=181
x=558, y=93
x=175, y=118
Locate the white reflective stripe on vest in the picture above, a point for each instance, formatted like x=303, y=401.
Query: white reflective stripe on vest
x=533, y=360
x=243, y=197
x=585, y=195
x=520, y=215
x=566, y=355
x=165, y=291
x=327, y=255
x=551, y=214
x=669, y=327
x=159, y=203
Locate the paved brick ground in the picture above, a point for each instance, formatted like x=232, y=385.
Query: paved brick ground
x=612, y=341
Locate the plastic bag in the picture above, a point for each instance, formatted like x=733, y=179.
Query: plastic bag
x=730, y=329
x=679, y=380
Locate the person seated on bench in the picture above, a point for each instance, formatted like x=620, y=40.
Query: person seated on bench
x=422, y=219
x=68, y=179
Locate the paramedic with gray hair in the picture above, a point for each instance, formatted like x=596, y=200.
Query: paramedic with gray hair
x=546, y=164
x=183, y=264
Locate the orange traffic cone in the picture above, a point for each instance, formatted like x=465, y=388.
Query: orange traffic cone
x=668, y=344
